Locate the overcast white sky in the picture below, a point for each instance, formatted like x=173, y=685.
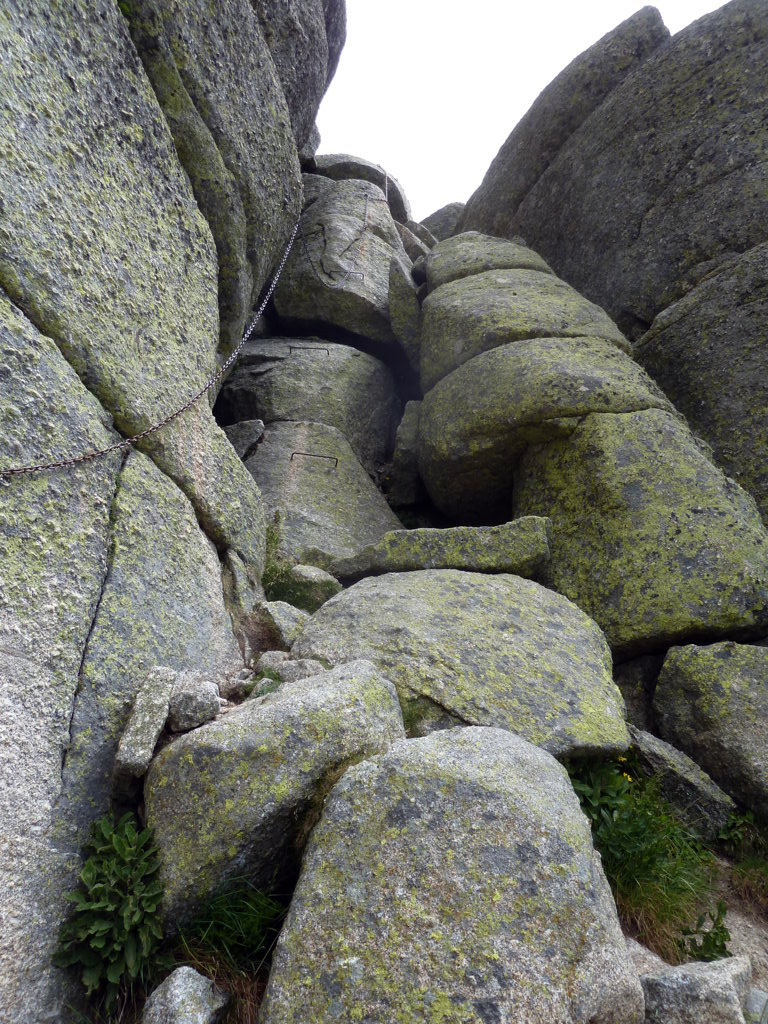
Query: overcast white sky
x=430, y=89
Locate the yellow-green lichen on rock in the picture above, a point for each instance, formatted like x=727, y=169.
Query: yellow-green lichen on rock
x=463, y=318
x=476, y=422
x=238, y=796
x=452, y=879
x=493, y=650
x=712, y=702
x=473, y=253
x=648, y=536
x=103, y=247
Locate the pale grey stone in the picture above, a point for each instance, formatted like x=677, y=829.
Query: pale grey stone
x=245, y=435
x=405, y=311
x=278, y=622
x=312, y=586
x=412, y=244
x=185, y=997
x=486, y=650
x=698, y=993
x=340, y=166
x=443, y=222
x=453, y=878
x=755, y=1006
x=473, y=253
x=238, y=796
x=644, y=960
x=145, y=723
x=194, y=701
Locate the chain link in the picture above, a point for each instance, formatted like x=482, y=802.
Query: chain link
x=129, y=441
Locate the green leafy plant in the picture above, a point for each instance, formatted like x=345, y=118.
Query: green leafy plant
x=114, y=931
x=659, y=873
x=707, y=944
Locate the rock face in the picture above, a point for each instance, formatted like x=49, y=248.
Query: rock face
x=666, y=177
x=482, y=650
x=441, y=912
x=698, y=993
x=327, y=504
x=707, y=351
x=185, y=997
x=214, y=78
x=472, y=253
x=558, y=112
x=342, y=166
x=520, y=548
x=314, y=379
x=648, y=536
x=337, y=274
x=237, y=797
x=711, y=702
x=443, y=222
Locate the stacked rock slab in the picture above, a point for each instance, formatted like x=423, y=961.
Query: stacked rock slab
x=342, y=166
x=453, y=878
x=532, y=405
x=474, y=649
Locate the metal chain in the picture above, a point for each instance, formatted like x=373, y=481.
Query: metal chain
x=129, y=441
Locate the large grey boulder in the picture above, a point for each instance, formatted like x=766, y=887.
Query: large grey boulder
x=443, y=222
x=464, y=647
x=666, y=178
x=313, y=379
x=707, y=351
x=341, y=166
x=327, y=504
x=453, y=878
x=295, y=33
x=473, y=253
x=474, y=314
x=520, y=548
x=696, y=799
x=212, y=72
x=559, y=111
x=238, y=796
x=185, y=997
x=649, y=538
x=140, y=323
x=712, y=703
x=476, y=422
x=337, y=275
x=698, y=993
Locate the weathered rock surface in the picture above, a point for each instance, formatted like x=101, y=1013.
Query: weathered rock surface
x=194, y=701
x=145, y=723
x=280, y=667
x=276, y=624
x=712, y=703
x=649, y=538
x=217, y=85
x=313, y=379
x=244, y=436
x=335, y=32
x=443, y=222
x=698, y=993
x=401, y=480
x=346, y=232
x=637, y=679
x=475, y=314
x=103, y=177
x=305, y=586
x=237, y=797
x=558, y=112
x=473, y=253
x=667, y=177
x=342, y=166
x=481, y=650
x=326, y=502
x=476, y=422
x=520, y=548
x=443, y=913
x=405, y=311
x=185, y=997
x=295, y=33
x=707, y=351
x=693, y=794
x=412, y=244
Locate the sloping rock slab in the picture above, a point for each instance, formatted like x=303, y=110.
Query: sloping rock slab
x=520, y=548
x=487, y=650
x=693, y=794
x=472, y=253
x=475, y=314
x=708, y=353
x=443, y=222
x=338, y=272
x=453, y=879
x=340, y=166
x=560, y=109
x=712, y=702
x=326, y=502
x=698, y=993
x=237, y=796
x=476, y=422
x=649, y=538
x=314, y=379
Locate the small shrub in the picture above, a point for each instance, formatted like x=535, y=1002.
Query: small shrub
x=113, y=934
x=659, y=872
x=707, y=944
